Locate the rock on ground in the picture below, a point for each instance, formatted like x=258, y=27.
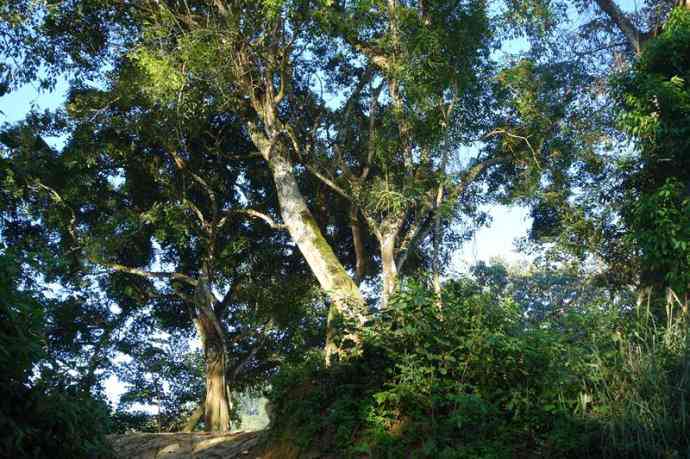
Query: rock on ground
x=196, y=445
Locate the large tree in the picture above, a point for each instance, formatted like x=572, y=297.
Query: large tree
x=628, y=207
x=155, y=202
x=372, y=98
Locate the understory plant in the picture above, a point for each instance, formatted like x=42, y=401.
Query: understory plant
x=468, y=375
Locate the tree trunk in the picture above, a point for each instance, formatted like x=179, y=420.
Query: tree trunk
x=437, y=235
x=217, y=402
x=390, y=269
x=623, y=22
x=436, y=260
x=347, y=302
x=357, y=244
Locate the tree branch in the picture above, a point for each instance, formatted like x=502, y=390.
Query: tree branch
x=632, y=34
x=194, y=418
x=115, y=266
x=149, y=274
x=58, y=200
x=255, y=214
x=471, y=174
x=418, y=232
x=371, y=145
x=181, y=165
x=515, y=136
x=327, y=181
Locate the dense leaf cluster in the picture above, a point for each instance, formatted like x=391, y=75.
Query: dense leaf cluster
x=229, y=182
x=41, y=416
x=473, y=378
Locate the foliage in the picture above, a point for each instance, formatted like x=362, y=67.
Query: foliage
x=254, y=148
x=43, y=40
x=161, y=373
x=586, y=382
x=655, y=103
x=637, y=384
x=40, y=417
x=661, y=222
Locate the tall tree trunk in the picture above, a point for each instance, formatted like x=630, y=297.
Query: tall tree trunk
x=390, y=269
x=217, y=402
x=358, y=244
x=437, y=235
x=436, y=258
x=347, y=302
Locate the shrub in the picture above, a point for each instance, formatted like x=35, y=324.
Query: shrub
x=38, y=419
x=469, y=377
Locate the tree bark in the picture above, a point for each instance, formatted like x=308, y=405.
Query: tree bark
x=194, y=418
x=436, y=257
x=437, y=235
x=388, y=265
x=217, y=402
x=624, y=24
x=357, y=244
x=347, y=302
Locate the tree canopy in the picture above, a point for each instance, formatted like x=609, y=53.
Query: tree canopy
x=266, y=195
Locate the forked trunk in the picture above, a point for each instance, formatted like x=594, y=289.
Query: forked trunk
x=347, y=303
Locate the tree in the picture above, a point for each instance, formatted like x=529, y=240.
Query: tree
x=43, y=41
x=655, y=105
x=372, y=99
x=42, y=413
x=631, y=211
x=125, y=196
x=407, y=73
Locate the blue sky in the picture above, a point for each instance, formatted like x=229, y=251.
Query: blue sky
x=15, y=105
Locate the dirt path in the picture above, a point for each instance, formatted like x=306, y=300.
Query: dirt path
x=197, y=445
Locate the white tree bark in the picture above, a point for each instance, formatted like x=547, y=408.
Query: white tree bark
x=347, y=302
x=388, y=265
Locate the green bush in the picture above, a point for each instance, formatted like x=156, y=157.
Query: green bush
x=469, y=377
x=39, y=419
x=56, y=424
x=637, y=386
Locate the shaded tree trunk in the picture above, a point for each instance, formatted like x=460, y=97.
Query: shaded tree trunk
x=388, y=265
x=217, y=401
x=347, y=302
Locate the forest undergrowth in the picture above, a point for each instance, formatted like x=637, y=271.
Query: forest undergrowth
x=468, y=375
